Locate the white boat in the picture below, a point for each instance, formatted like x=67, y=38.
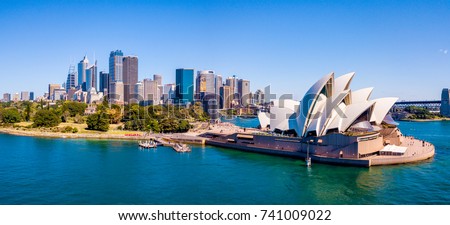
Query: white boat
x=148, y=144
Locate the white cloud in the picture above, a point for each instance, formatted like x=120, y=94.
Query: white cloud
x=445, y=51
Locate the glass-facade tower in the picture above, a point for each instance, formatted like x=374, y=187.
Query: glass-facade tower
x=184, y=93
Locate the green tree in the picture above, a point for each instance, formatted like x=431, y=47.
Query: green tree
x=98, y=121
x=74, y=108
x=27, y=111
x=46, y=118
x=184, y=126
x=10, y=115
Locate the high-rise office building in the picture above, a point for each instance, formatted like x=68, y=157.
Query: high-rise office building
x=151, y=92
x=168, y=92
x=116, y=65
x=158, y=79
x=71, y=81
x=184, y=93
x=130, y=75
x=226, y=97
x=117, y=92
x=51, y=90
x=445, y=102
x=16, y=97
x=232, y=83
x=219, y=84
x=31, y=96
x=82, y=66
x=92, y=82
x=116, y=75
x=88, y=84
x=138, y=93
x=104, y=82
x=244, y=92
x=25, y=96
x=205, y=83
x=6, y=97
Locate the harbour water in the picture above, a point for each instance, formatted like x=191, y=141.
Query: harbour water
x=63, y=171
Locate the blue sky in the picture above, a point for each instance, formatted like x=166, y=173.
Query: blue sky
x=398, y=47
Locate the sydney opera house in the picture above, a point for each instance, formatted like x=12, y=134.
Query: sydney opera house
x=331, y=124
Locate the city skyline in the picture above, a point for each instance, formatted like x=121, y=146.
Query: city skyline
x=403, y=44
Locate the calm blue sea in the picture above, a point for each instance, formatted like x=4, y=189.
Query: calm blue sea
x=62, y=171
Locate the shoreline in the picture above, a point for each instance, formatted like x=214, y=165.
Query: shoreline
x=425, y=120
x=28, y=133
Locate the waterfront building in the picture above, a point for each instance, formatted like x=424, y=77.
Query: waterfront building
x=104, y=82
x=82, y=66
x=6, y=97
x=244, y=92
x=151, y=92
x=25, y=96
x=71, y=81
x=130, y=76
x=51, y=89
x=184, y=81
x=445, y=103
x=331, y=124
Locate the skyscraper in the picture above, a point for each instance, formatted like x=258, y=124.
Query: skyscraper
x=138, y=92
x=104, y=82
x=116, y=75
x=232, y=83
x=51, y=90
x=31, y=96
x=6, y=97
x=82, y=66
x=25, y=96
x=130, y=75
x=219, y=84
x=205, y=83
x=168, y=93
x=158, y=78
x=116, y=65
x=151, y=92
x=244, y=92
x=184, y=93
x=226, y=97
x=88, y=84
x=16, y=97
x=71, y=78
x=117, y=93
x=93, y=82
